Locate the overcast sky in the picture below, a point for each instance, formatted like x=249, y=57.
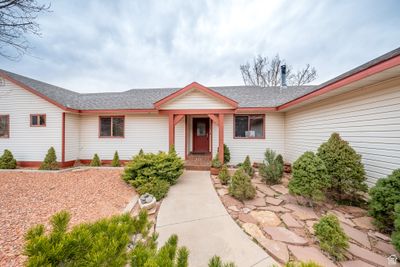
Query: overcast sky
x=92, y=46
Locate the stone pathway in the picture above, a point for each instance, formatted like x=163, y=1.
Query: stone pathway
x=193, y=211
x=284, y=227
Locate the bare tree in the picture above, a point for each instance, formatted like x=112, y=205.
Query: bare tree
x=17, y=19
x=264, y=72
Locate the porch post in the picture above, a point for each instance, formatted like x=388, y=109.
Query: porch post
x=221, y=137
x=171, y=130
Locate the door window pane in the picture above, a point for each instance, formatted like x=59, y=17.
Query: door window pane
x=201, y=129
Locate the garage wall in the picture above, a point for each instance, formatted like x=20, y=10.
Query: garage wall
x=368, y=118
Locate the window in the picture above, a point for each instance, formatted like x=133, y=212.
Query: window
x=249, y=126
x=4, y=126
x=112, y=126
x=38, y=120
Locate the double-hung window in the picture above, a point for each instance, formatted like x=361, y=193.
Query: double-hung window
x=4, y=126
x=249, y=126
x=112, y=126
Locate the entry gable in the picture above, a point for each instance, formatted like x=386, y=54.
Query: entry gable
x=195, y=96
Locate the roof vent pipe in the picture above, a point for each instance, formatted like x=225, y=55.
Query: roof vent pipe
x=283, y=76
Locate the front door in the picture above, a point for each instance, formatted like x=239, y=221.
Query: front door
x=201, y=136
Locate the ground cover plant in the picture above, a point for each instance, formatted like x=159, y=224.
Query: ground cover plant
x=271, y=170
x=344, y=168
x=331, y=236
x=241, y=186
x=50, y=161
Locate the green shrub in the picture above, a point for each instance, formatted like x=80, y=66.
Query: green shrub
x=115, y=161
x=7, y=160
x=223, y=175
x=95, y=161
x=158, y=188
x=310, y=177
x=344, y=168
x=145, y=253
x=302, y=264
x=271, y=170
x=50, y=161
x=217, y=262
x=247, y=167
x=215, y=163
x=146, y=166
x=331, y=237
x=102, y=243
x=227, y=154
x=396, y=233
x=384, y=196
x=240, y=186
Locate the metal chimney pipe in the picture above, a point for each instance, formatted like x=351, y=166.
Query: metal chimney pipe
x=283, y=76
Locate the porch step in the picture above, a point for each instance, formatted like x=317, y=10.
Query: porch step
x=198, y=162
x=197, y=167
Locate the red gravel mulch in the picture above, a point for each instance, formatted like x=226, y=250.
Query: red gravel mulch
x=27, y=199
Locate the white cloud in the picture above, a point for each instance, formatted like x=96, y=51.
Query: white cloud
x=91, y=46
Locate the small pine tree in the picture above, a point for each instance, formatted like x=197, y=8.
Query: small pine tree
x=240, y=186
x=95, y=161
x=271, y=170
x=141, y=151
x=115, y=161
x=215, y=163
x=247, y=167
x=7, y=160
x=227, y=154
x=344, y=167
x=331, y=236
x=50, y=161
x=384, y=196
x=217, y=262
x=310, y=177
x=224, y=176
x=396, y=233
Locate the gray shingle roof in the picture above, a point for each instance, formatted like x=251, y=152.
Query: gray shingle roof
x=246, y=96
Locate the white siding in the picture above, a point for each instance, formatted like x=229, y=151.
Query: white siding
x=25, y=142
x=180, y=138
x=255, y=148
x=195, y=99
x=149, y=132
x=72, y=125
x=368, y=118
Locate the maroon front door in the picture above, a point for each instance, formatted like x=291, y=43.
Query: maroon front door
x=201, y=135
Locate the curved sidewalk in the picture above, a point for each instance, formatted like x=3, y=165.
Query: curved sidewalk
x=193, y=211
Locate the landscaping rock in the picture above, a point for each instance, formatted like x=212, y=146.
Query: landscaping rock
x=380, y=236
x=367, y=255
x=310, y=226
x=280, y=189
x=273, y=201
x=266, y=218
x=356, y=263
x=266, y=190
x=222, y=191
x=303, y=213
x=284, y=235
x=356, y=235
x=364, y=222
x=233, y=208
x=276, y=249
x=386, y=248
x=275, y=209
x=258, y=201
x=253, y=230
x=246, y=218
x=147, y=201
x=246, y=210
x=288, y=198
x=342, y=217
x=355, y=211
x=290, y=221
x=230, y=201
x=306, y=254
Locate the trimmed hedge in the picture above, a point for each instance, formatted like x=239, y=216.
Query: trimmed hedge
x=384, y=196
x=157, y=188
x=310, y=177
x=50, y=161
x=344, y=168
x=331, y=236
x=7, y=160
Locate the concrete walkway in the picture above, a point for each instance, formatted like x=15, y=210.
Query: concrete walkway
x=193, y=211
